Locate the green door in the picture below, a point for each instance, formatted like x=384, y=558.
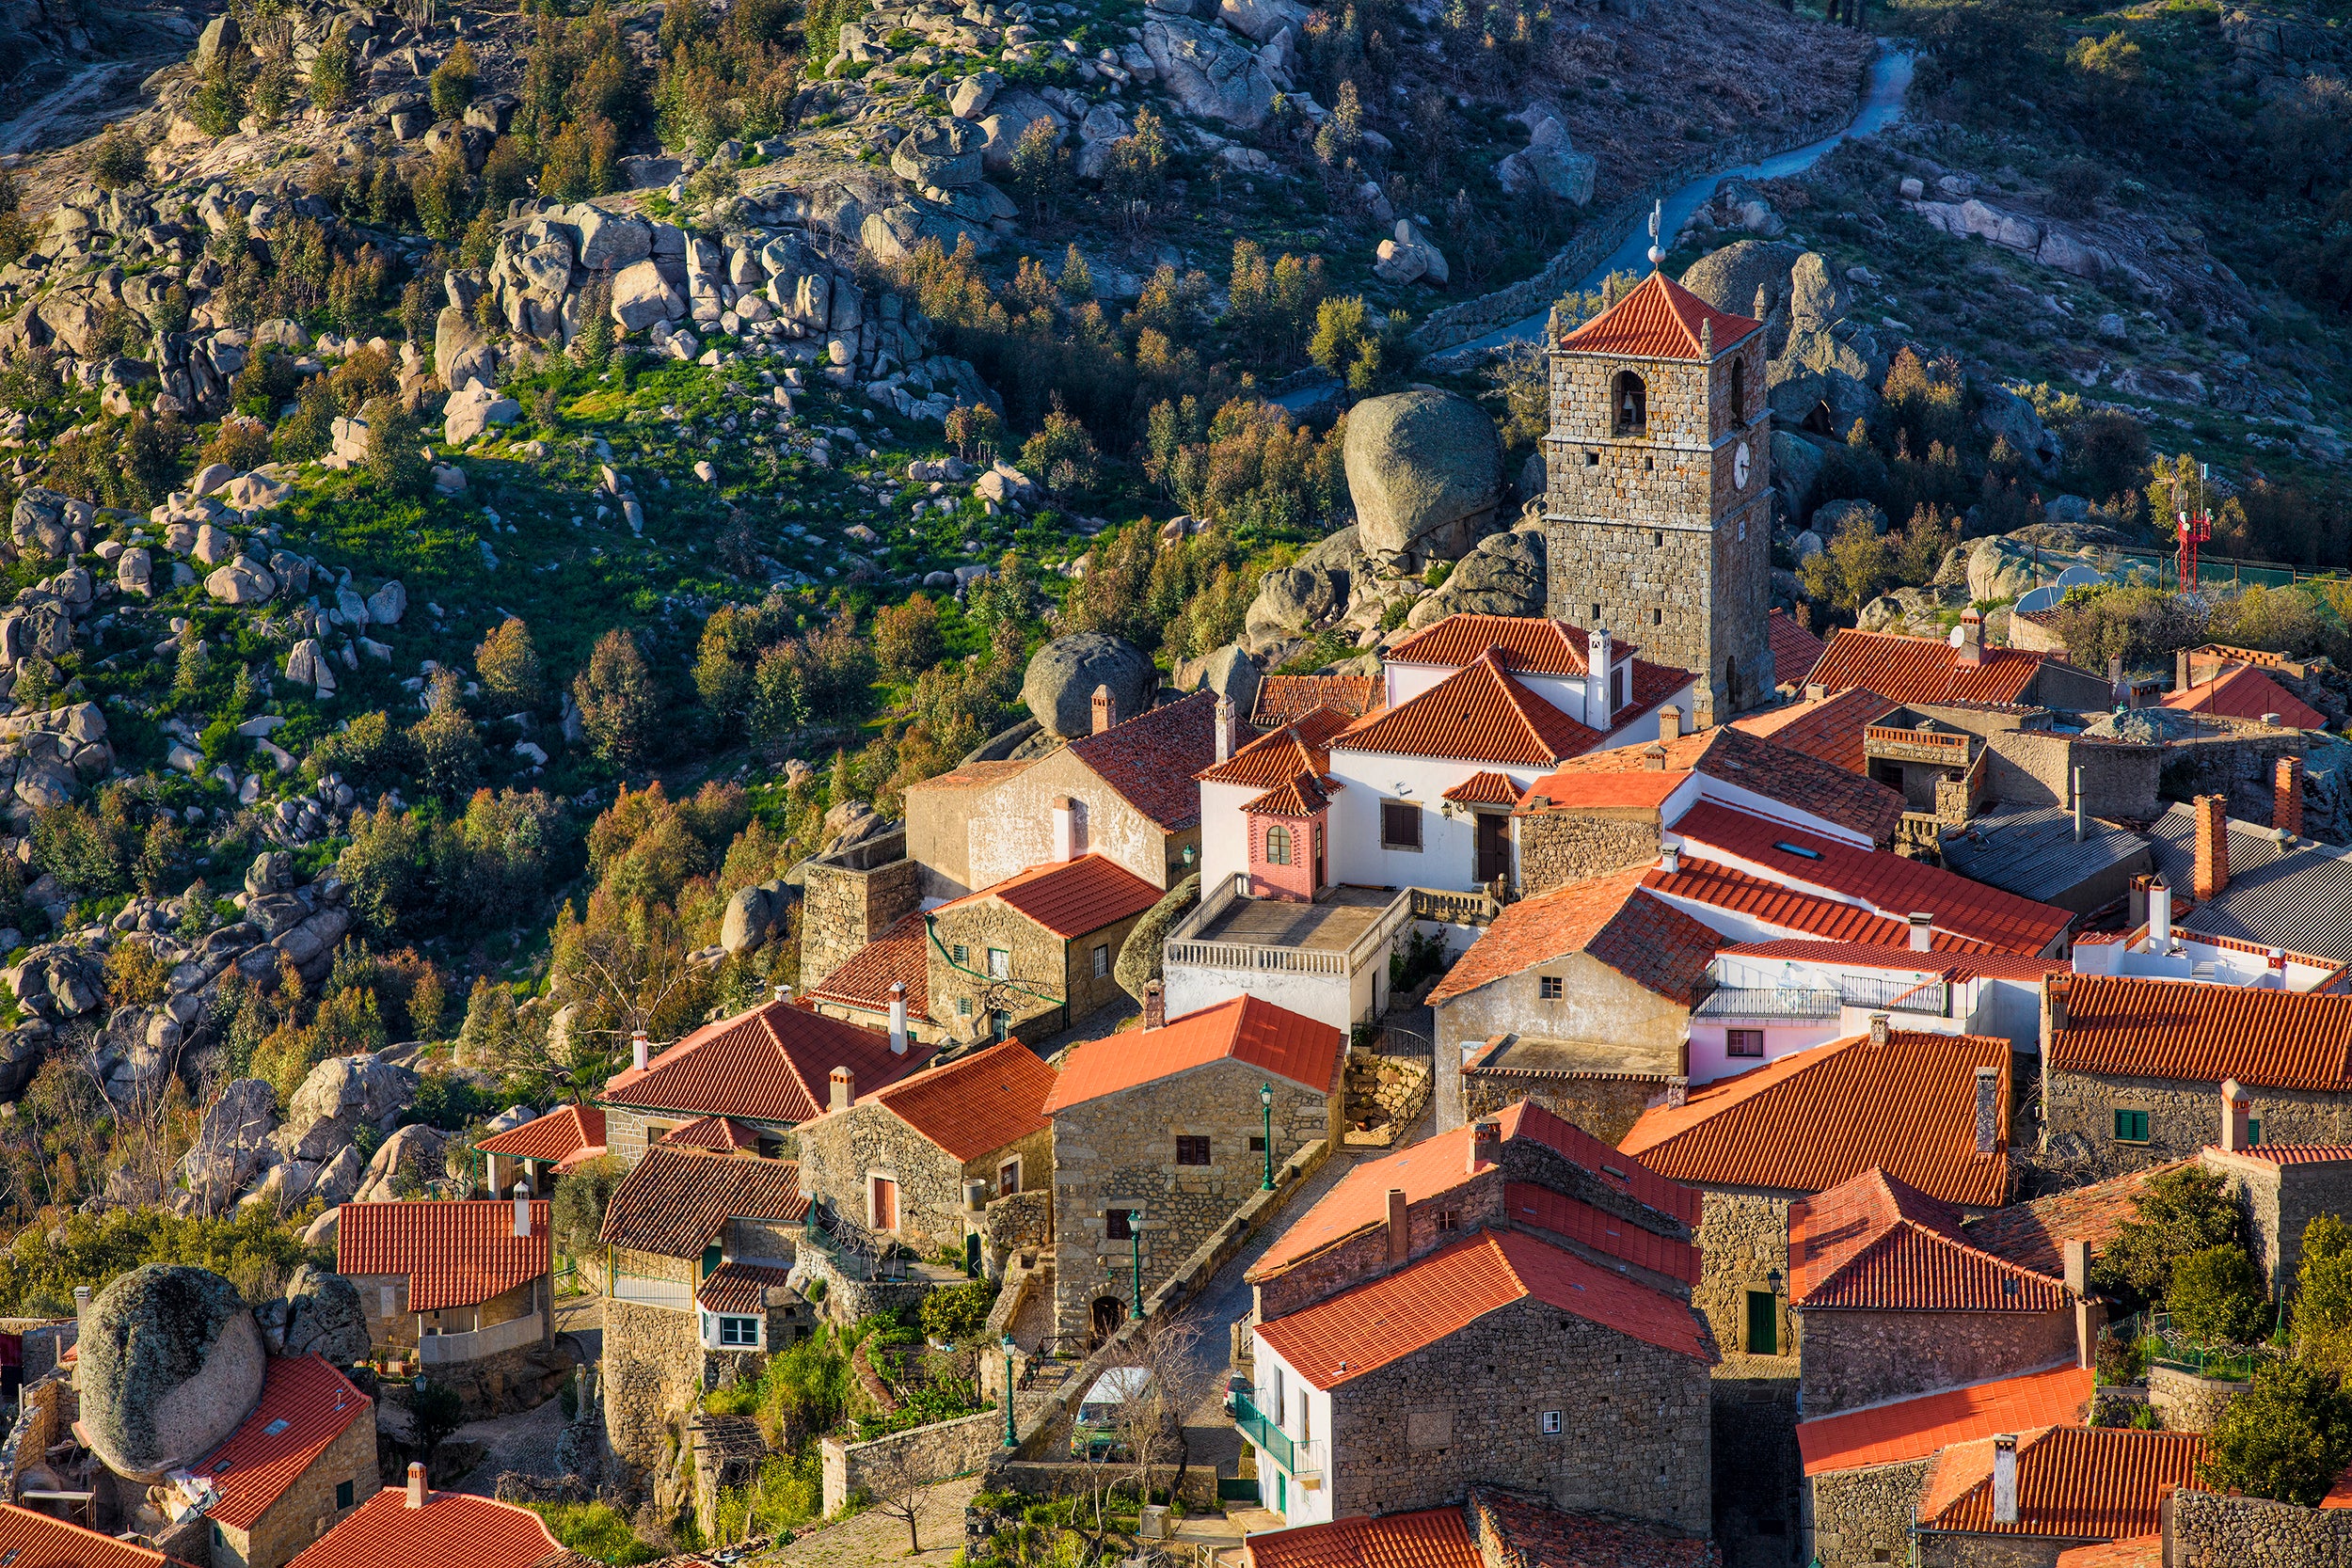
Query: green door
x=710, y=1259
x=1763, y=1324
x=972, y=1254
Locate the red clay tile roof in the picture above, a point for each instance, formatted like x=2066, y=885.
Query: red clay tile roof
x=1152, y=758
x=1302, y=746
x=1795, y=650
x=1829, y=728
x=564, y=1136
x=1808, y=1121
x=1529, y=644
x=770, y=1064
x=1383, y=1321
x=1610, y=918
x=1532, y=1535
x=1924, y=669
x=1536, y=1208
x=1917, y=1428
x=1887, y=885
x=2139, y=1551
x=455, y=1253
x=2295, y=1154
x=1440, y=1163
x=1588, y=789
x=1484, y=789
x=1866, y=955
x=2180, y=1029
x=35, y=1540
x=1302, y=796
x=1247, y=1029
x=1712, y=886
x=2244, y=692
x=2087, y=1483
x=451, y=1530
x=1070, y=899
x=972, y=774
x=1477, y=714
x=1286, y=698
x=2034, y=1235
x=1873, y=1244
x=863, y=978
x=720, y=1135
x=976, y=1105
x=1432, y=1538
x=311, y=1404
x=1659, y=318
x=741, y=1289
x=1735, y=757
x=677, y=1200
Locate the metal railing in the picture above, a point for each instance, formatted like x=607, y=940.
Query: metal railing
x=2167, y=1346
x=1768, y=1002
x=1261, y=1429
x=436, y=1350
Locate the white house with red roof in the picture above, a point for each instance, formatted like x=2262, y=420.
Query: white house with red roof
x=457, y=1280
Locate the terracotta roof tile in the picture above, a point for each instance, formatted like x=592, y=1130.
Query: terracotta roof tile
x=676, y=1200
x=1484, y=789
x=1301, y=746
x=1070, y=899
x=1887, y=885
x=1477, y=714
x=741, y=1289
x=1597, y=789
x=455, y=1253
x=2085, y=1483
x=1536, y=1208
x=2034, y=1235
x=1866, y=955
x=1284, y=699
x=716, y=1134
x=976, y=1105
x=770, y=1064
x=972, y=775
x=1708, y=885
x=1828, y=728
x=863, y=978
x=1532, y=1535
x=1432, y=1538
x=1874, y=1243
x=451, y=1530
x=1611, y=919
x=564, y=1136
x=2204, y=1033
x=1152, y=758
x=34, y=1539
x=1659, y=318
x=1301, y=796
x=1529, y=644
x=1813, y=1119
x=1924, y=669
x=1731, y=756
x=311, y=1403
x=2297, y=1154
x=1916, y=1428
x=1383, y=1321
x=1795, y=650
x=2244, y=692
x=2139, y=1551
x=1248, y=1028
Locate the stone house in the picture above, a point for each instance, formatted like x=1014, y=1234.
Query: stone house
x=851, y=896
x=1033, y=955
x=1892, y=1299
x=419, y=1527
x=1934, y=670
x=1169, y=1124
x=1931, y=1110
x=1594, y=980
x=457, y=1281
x=1133, y=802
x=541, y=1149
x=887, y=979
x=297, y=1466
x=766, y=1068
x=1477, y=1363
x=905, y=1161
x=2023, y=1499
x=2281, y=1188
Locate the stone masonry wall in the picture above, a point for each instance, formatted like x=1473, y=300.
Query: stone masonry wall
x=653, y=1372
x=1743, y=1243
x=936, y=1452
x=1634, y=1026
x=2187, y=1403
x=1119, y=1150
x=1605, y=1105
x=842, y=909
x=2183, y=1116
x=1561, y=847
x=2279, y=1201
x=306, y=1509
x=1959, y=1549
x=1052, y=982
x=841, y=1150
x=1431, y=1223
x=1854, y=1358
x=1852, y=1516
x=2204, y=1530
x=1633, y=1433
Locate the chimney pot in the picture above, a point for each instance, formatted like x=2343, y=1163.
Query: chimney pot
x=1878, y=1030
x=1065, y=828
x=2180, y=671
x=1971, y=647
x=2159, y=916
x=1677, y=1091
x=2237, y=1133
x=842, y=1086
x=2286, y=798
x=1669, y=723
x=637, y=1050
x=783, y=992
x=1922, y=925
x=1400, y=1230
x=897, y=1018
x=80, y=1302
x=1598, y=664
x=1815, y=692
x=522, y=1212
x=2057, y=994
x=1988, y=1109
x=416, y=1492
x=2213, y=846
x=1669, y=858
x=1654, y=757
x=1486, y=1134
x=1154, y=1005
x=1224, y=727
x=1105, y=709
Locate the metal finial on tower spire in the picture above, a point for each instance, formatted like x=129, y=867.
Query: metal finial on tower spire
x=1657, y=217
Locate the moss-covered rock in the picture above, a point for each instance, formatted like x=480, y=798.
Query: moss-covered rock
x=1139, y=955
x=170, y=1363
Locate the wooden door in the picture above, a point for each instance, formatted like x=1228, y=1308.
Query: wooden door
x=885, y=1203
x=1494, y=845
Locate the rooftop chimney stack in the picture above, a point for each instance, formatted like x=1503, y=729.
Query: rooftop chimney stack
x=1677, y=1091
x=1065, y=828
x=1484, y=1141
x=2278, y=964
x=2180, y=671
x=1971, y=646
x=2055, y=990
x=897, y=1018
x=1878, y=1030
x=2237, y=1134
x=1670, y=858
x=2078, y=805
x=1400, y=1231
x=1669, y=723
x=841, y=1084
x=637, y=1050
x=80, y=1302
x=1922, y=923
x=783, y=992
x=2159, y=916
x=1105, y=709
x=2213, y=846
x=1988, y=1110
x=2286, y=798
x=2078, y=1255
x=1224, y=727
x=416, y=1492
x=1154, y=1005
x=522, y=1212
x=1597, y=677
x=2004, y=1478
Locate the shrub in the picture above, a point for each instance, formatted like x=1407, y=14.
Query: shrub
x=394, y=459
x=117, y=160
x=454, y=81
x=331, y=73
x=619, y=706
x=957, y=1315
x=218, y=104
x=2182, y=1211
x=2217, y=1296
x=596, y=1530
x=2286, y=1438
x=507, y=664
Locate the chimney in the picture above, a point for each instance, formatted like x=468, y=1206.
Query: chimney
x=637, y=1050
x=1677, y=1091
x=1065, y=828
x=1400, y=1232
x=1485, y=1142
x=2213, y=846
x=2078, y=805
x=1878, y=1030
x=1154, y=1005
x=1597, y=677
x=1669, y=723
x=2286, y=798
x=897, y=1018
x=1988, y=1110
x=2115, y=676
x=782, y=991
x=417, y=1493
x=2278, y=964
x=80, y=1302
x=1224, y=728
x=522, y=1212
x=2180, y=671
x=2090, y=1320
x=843, y=1085
x=1105, y=709
x=1971, y=649
x=1670, y=858
x=2004, y=1478
x=2159, y=916
x=1922, y=923
x=1654, y=757
x=1815, y=692
x=2078, y=1255
x=2055, y=990
x=2236, y=1112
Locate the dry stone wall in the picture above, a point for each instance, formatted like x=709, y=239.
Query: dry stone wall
x=1605, y=1105
x=2204, y=1530
x=1561, y=847
x=2078, y=1117
x=936, y=1452
x=844, y=905
x=1743, y=1246
x=653, y=1372
x=1858, y=1518
x=1854, y=1358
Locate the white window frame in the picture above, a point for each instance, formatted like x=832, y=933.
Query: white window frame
x=897, y=1197
x=740, y=1324
x=1000, y=963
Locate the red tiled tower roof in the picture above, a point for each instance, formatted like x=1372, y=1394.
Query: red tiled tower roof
x=1659, y=318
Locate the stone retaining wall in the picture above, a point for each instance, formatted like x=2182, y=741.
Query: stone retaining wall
x=1851, y=1517
x=2202, y=1531
x=2187, y=1403
x=39, y=1413
x=936, y=1452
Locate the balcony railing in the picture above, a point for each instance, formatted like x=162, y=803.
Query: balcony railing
x=1934, y=747
x=1259, y=1428
x=436, y=1350
x=1933, y=998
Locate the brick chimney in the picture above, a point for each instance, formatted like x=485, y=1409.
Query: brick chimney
x=1400, y=1232
x=1878, y=1030
x=843, y=1085
x=2054, y=993
x=2237, y=1134
x=1154, y=1005
x=2286, y=798
x=1654, y=757
x=1988, y=1110
x=1669, y=724
x=2213, y=844
x=1922, y=924
x=1224, y=728
x=1970, y=649
x=416, y=1492
x=1105, y=709
x=1486, y=1142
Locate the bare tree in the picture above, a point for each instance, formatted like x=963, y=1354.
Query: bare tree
x=1152, y=1417
x=900, y=1486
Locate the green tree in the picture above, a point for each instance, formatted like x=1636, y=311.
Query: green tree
x=2178, y=1213
x=219, y=103
x=507, y=663
x=438, y=1413
x=395, y=460
x=273, y=90
x=454, y=81
x=116, y=160
x=907, y=637
x=1039, y=167
x=618, y=703
x=2217, y=1296
x=449, y=752
x=581, y=1196
x=2286, y=1438
x=2322, y=1311
x=1367, y=357
x=331, y=73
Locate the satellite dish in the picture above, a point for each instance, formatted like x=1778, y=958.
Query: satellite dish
x=2040, y=599
x=1955, y=637
x=2079, y=577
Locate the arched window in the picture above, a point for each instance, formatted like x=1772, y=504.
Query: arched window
x=1740, y=391
x=1277, y=846
x=1628, y=406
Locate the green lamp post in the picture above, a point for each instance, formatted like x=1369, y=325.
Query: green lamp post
x=1265, y=1103
x=1011, y=1439
x=1134, y=1236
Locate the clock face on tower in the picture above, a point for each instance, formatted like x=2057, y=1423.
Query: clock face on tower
x=1740, y=467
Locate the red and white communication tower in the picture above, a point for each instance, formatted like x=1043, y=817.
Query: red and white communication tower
x=2196, y=528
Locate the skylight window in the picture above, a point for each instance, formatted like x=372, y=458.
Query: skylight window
x=275, y=1427
x=1789, y=848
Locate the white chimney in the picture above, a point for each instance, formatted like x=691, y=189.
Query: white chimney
x=2159, y=917
x=1670, y=723
x=842, y=1086
x=2004, y=1478
x=1670, y=858
x=522, y=1212
x=1065, y=835
x=1224, y=728
x=782, y=991
x=1988, y=1109
x=80, y=1302
x=2237, y=1135
x=2078, y=805
x=897, y=1018
x=637, y=1050
x=1922, y=925
x=416, y=1484
x=1596, y=678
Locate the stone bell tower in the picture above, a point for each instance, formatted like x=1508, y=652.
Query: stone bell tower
x=1658, y=512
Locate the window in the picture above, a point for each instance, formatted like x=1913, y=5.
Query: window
x=999, y=1025
x=741, y=1333
x=1763, y=1324
x=1000, y=963
x=1656, y=539
x=1115, y=1226
x=1102, y=959
x=963, y=1006
x=1551, y=1423
x=1008, y=1179
x=1191, y=1149
x=963, y=953
x=1257, y=1143
x=1400, y=825
x=1592, y=460
x=1277, y=846
x=1740, y=390
x=2253, y=1132
x=1628, y=406
x=342, y=1493
x=1448, y=1219
x=275, y=1427
x=1550, y=988
x=1656, y=617
x=1743, y=1042
x=2130, y=1127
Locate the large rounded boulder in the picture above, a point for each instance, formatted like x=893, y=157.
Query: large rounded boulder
x=172, y=1362
x=1063, y=675
x=1425, y=472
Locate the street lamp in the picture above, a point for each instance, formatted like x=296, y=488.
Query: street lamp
x=1011, y=1439
x=1265, y=1103
x=1134, y=1236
